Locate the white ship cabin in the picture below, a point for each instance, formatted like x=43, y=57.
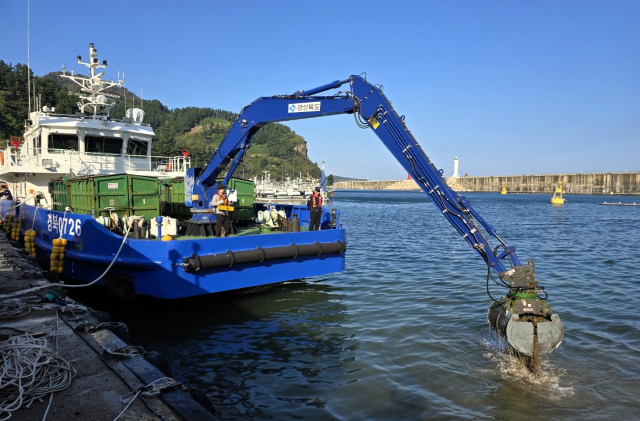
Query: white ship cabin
x=56, y=146
x=90, y=142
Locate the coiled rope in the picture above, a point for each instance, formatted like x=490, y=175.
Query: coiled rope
x=30, y=370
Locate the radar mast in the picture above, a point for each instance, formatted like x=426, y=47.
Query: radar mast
x=92, y=95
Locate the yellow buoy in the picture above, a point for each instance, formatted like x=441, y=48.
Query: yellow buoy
x=557, y=198
x=504, y=189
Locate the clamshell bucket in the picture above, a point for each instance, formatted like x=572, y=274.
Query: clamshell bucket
x=533, y=336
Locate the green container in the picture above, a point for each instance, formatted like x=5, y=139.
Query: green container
x=83, y=196
x=128, y=194
x=124, y=194
x=144, y=196
x=164, y=187
x=111, y=192
x=61, y=193
x=176, y=198
x=243, y=208
x=177, y=191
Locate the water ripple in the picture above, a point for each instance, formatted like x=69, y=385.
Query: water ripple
x=402, y=334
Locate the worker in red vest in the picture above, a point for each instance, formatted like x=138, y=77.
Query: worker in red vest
x=314, y=204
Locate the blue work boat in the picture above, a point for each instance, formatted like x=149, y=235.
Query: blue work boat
x=111, y=245
x=171, y=269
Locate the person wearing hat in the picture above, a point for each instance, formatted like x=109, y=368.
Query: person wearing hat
x=5, y=193
x=314, y=204
x=223, y=224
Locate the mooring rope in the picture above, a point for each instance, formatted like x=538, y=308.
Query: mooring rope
x=152, y=389
x=30, y=370
x=34, y=289
x=125, y=351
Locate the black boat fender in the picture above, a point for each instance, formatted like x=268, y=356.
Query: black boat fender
x=261, y=254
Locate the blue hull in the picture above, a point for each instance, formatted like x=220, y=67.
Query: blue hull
x=154, y=268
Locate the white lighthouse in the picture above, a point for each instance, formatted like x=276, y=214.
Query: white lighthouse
x=455, y=168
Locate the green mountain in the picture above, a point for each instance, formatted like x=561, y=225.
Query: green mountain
x=275, y=148
x=337, y=179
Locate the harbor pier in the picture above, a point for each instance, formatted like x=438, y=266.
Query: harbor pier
x=64, y=361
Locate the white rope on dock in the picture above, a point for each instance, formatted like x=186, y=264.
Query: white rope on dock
x=30, y=370
x=152, y=389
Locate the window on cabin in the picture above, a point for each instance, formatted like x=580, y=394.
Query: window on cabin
x=137, y=147
x=63, y=141
x=103, y=145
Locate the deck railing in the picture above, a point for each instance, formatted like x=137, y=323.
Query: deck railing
x=85, y=163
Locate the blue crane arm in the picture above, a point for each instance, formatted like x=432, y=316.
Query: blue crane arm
x=371, y=109
x=522, y=315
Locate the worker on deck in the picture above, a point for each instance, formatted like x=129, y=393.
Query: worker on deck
x=5, y=193
x=223, y=224
x=314, y=204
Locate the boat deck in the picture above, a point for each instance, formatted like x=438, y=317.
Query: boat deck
x=241, y=231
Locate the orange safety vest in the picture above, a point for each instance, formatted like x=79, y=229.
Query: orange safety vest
x=316, y=201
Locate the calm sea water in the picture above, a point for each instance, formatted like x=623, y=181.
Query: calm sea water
x=401, y=334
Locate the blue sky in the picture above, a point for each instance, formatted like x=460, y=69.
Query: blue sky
x=508, y=87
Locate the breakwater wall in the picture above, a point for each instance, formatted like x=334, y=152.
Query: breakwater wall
x=579, y=183
x=364, y=185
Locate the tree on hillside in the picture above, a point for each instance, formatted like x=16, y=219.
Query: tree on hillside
x=14, y=99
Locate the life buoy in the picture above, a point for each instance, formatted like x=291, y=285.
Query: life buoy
x=169, y=166
x=2, y=158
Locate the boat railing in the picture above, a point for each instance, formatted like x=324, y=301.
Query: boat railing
x=86, y=163
x=81, y=116
x=170, y=164
x=84, y=168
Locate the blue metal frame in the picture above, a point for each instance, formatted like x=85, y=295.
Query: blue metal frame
x=371, y=109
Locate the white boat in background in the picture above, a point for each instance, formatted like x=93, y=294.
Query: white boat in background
x=291, y=190
x=89, y=142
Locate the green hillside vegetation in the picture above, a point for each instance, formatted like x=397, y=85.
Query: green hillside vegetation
x=275, y=148
x=337, y=179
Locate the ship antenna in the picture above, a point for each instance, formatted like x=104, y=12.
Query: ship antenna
x=92, y=89
x=124, y=93
x=28, y=63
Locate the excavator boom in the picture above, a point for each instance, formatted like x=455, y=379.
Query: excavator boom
x=519, y=315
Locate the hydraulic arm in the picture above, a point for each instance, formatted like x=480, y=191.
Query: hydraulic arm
x=521, y=314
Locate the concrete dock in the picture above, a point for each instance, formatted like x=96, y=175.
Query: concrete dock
x=99, y=373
